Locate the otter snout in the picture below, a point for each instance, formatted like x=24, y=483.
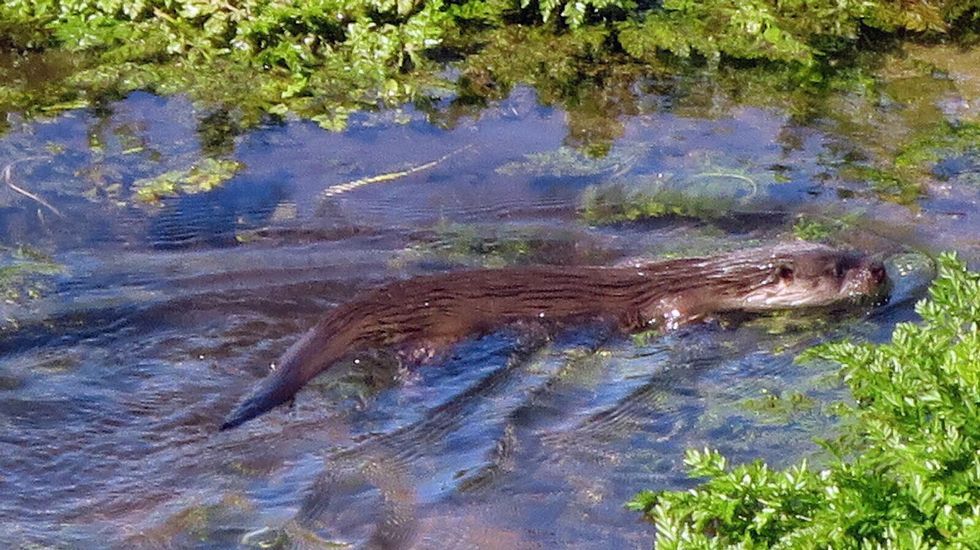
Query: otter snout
x=870, y=279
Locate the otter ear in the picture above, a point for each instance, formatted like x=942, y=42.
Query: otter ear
x=785, y=273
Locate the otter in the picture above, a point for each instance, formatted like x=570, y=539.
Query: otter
x=429, y=313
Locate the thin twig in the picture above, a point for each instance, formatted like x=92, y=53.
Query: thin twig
x=7, y=179
x=750, y=181
x=340, y=188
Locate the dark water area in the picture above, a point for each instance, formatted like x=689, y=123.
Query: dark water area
x=130, y=329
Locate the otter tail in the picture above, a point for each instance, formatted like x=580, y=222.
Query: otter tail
x=274, y=390
x=311, y=355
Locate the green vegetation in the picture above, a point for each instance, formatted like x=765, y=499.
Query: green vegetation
x=887, y=184
x=827, y=227
x=899, y=179
x=706, y=196
x=243, y=62
x=810, y=229
x=193, y=524
x=905, y=471
x=325, y=59
x=568, y=162
x=945, y=141
x=203, y=176
x=21, y=273
x=493, y=246
x=463, y=244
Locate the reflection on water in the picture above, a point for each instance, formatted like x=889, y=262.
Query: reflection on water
x=113, y=382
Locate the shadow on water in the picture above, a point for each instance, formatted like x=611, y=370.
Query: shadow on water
x=116, y=369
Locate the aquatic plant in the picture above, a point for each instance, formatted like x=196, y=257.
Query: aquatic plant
x=904, y=471
x=203, y=176
x=900, y=177
x=22, y=273
x=945, y=141
x=324, y=59
x=249, y=61
x=810, y=229
x=569, y=162
x=712, y=195
x=494, y=246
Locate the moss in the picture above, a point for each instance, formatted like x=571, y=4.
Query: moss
x=781, y=408
x=569, y=162
x=886, y=183
x=195, y=523
x=901, y=177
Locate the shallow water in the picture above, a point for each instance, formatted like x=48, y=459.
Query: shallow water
x=113, y=380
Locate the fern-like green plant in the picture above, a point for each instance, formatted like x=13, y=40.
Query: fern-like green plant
x=905, y=471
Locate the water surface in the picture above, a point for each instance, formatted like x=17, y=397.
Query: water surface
x=134, y=328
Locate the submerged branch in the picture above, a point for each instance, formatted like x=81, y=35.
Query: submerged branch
x=7, y=179
x=341, y=188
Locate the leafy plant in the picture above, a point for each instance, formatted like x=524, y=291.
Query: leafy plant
x=905, y=471
x=325, y=59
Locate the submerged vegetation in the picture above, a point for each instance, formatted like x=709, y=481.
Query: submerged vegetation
x=946, y=142
x=905, y=471
x=22, y=272
x=202, y=177
x=705, y=196
x=492, y=246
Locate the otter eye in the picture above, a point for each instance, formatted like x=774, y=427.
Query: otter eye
x=838, y=270
x=785, y=273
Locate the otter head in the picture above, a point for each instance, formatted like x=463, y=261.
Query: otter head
x=806, y=275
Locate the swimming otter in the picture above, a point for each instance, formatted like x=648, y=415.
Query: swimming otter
x=432, y=312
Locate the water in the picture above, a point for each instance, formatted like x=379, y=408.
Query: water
x=151, y=321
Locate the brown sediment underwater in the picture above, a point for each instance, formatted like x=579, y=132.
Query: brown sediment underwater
x=423, y=315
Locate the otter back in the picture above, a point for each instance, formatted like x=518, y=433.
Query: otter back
x=433, y=312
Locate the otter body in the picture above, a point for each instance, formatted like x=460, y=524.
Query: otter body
x=432, y=312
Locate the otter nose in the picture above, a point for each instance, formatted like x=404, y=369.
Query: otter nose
x=877, y=271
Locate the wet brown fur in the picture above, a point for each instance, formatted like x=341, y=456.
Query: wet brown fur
x=435, y=311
